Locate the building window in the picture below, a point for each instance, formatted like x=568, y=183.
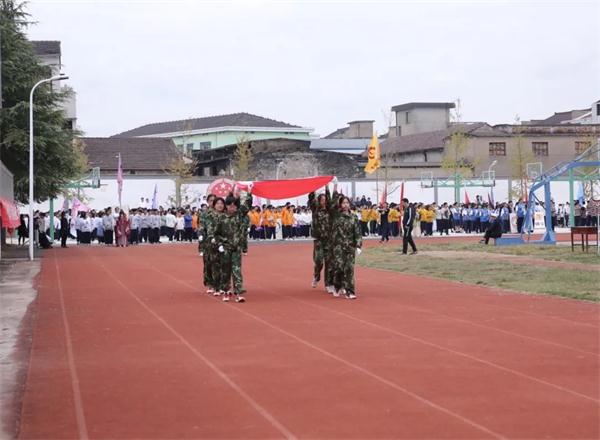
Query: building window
x=406, y=118
x=189, y=147
x=540, y=148
x=497, y=148
x=204, y=146
x=581, y=146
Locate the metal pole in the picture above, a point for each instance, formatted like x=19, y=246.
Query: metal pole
x=31, y=200
x=571, y=202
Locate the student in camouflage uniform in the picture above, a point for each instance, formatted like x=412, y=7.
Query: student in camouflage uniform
x=244, y=228
x=230, y=241
x=321, y=229
x=346, y=238
x=212, y=260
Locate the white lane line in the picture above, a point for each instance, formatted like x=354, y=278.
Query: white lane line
x=79, y=412
x=350, y=364
x=261, y=410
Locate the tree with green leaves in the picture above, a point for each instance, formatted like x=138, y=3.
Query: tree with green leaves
x=242, y=158
x=520, y=157
x=182, y=168
x=57, y=160
x=455, y=159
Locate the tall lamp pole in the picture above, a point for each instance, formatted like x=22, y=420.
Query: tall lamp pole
x=59, y=77
x=492, y=165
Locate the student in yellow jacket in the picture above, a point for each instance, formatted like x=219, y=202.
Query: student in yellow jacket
x=365, y=212
x=394, y=220
x=287, y=221
x=373, y=219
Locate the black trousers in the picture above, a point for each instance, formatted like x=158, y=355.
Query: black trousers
x=144, y=234
x=134, y=236
x=488, y=234
x=170, y=232
x=520, y=221
x=108, y=237
x=408, y=240
x=63, y=238
x=188, y=234
x=364, y=226
x=384, y=231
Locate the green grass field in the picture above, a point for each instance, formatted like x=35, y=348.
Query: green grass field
x=531, y=269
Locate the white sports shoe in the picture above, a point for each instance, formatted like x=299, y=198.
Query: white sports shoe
x=341, y=292
x=240, y=299
x=219, y=293
x=351, y=296
x=330, y=289
x=226, y=297
x=314, y=283
x=210, y=291
x=336, y=294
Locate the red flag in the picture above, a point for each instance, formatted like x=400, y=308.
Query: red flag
x=467, y=201
x=120, y=178
x=383, y=196
x=287, y=188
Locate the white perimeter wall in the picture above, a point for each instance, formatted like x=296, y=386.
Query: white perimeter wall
x=134, y=188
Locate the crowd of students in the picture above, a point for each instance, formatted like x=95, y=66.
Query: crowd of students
x=287, y=222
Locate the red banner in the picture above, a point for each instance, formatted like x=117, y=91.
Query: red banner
x=9, y=213
x=288, y=188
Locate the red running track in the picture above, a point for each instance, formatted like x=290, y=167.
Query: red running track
x=127, y=345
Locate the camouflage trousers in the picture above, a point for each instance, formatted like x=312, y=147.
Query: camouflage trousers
x=212, y=266
x=343, y=268
x=321, y=258
x=231, y=271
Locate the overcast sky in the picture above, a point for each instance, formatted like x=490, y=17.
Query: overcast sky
x=321, y=64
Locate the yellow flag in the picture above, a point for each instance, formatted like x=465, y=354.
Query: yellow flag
x=373, y=155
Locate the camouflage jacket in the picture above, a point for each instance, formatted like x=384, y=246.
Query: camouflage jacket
x=210, y=223
x=346, y=233
x=321, y=224
x=230, y=230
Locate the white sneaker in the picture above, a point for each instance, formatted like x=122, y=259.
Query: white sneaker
x=218, y=293
x=336, y=293
x=226, y=297
x=341, y=292
x=330, y=289
x=201, y=254
x=240, y=299
x=351, y=296
x=314, y=283
x=210, y=291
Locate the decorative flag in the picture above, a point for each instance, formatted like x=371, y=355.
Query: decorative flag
x=282, y=189
x=222, y=187
x=383, y=196
x=373, y=155
x=155, y=197
x=467, y=201
x=120, y=178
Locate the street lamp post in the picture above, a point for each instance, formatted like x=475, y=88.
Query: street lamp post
x=492, y=165
x=54, y=78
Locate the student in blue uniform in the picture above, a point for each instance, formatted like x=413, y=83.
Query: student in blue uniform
x=520, y=209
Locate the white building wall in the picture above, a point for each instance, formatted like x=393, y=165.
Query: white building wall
x=134, y=188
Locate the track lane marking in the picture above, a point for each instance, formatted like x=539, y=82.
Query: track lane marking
x=77, y=400
x=253, y=403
